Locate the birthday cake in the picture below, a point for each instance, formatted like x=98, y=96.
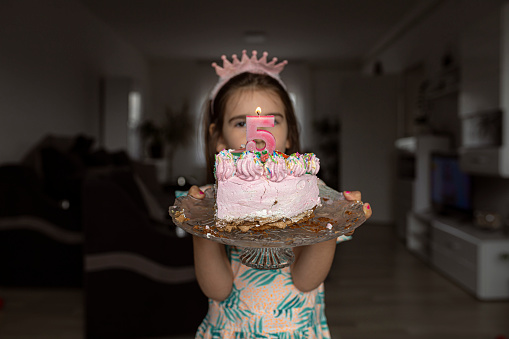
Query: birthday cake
x=263, y=190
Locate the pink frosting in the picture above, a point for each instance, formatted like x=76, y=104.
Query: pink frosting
x=249, y=167
x=266, y=199
x=275, y=168
x=225, y=166
x=295, y=165
x=312, y=163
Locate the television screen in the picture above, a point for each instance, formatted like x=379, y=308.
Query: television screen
x=450, y=186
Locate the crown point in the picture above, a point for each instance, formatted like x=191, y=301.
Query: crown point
x=254, y=59
x=245, y=59
x=235, y=59
x=263, y=59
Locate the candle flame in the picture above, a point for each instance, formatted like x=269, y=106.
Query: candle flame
x=258, y=110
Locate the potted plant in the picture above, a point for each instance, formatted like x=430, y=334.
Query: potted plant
x=151, y=135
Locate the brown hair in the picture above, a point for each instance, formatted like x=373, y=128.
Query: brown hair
x=214, y=113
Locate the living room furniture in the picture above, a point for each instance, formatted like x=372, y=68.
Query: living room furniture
x=139, y=275
x=40, y=222
x=41, y=210
x=475, y=259
x=71, y=215
x=40, y=240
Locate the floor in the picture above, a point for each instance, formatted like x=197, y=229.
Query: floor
x=376, y=289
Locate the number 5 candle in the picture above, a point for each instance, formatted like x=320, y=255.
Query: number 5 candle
x=252, y=132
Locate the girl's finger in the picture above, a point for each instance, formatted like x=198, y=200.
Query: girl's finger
x=196, y=192
x=367, y=210
x=352, y=195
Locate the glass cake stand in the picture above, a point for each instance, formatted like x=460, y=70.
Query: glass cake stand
x=270, y=249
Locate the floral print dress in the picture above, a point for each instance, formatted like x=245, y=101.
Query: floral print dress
x=265, y=304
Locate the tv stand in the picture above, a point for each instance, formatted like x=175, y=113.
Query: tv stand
x=476, y=260
x=460, y=217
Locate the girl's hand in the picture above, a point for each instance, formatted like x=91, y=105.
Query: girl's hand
x=196, y=192
x=356, y=195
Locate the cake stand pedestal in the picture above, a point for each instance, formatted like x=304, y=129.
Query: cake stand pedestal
x=268, y=258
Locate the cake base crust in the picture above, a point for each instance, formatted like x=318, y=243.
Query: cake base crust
x=264, y=224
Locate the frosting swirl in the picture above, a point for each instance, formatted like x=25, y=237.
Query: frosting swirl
x=275, y=168
x=249, y=167
x=295, y=165
x=225, y=166
x=312, y=163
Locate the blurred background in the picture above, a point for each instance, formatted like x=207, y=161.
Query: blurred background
x=100, y=128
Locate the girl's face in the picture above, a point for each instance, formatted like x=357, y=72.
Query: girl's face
x=244, y=102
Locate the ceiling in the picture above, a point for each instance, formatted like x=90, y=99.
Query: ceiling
x=341, y=30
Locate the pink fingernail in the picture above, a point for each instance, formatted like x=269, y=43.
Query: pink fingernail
x=368, y=207
x=348, y=192
x=201, y=193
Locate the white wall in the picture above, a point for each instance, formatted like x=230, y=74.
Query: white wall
x=53, y=55
x=368, y=108
x=297, y=77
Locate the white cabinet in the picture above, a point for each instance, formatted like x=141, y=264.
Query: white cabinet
x=476, y=260
x=418, y=234
x=484, y=95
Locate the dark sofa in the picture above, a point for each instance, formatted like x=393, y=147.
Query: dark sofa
x=74, y=216
x=40, y=216
x=41, y=231
x=139, y=275
x=40, y=241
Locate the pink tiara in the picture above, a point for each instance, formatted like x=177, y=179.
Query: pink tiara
x=246, y=64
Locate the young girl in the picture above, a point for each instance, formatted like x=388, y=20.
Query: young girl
x=246, y=302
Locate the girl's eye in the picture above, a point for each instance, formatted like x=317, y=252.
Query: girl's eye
x=240, y=124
